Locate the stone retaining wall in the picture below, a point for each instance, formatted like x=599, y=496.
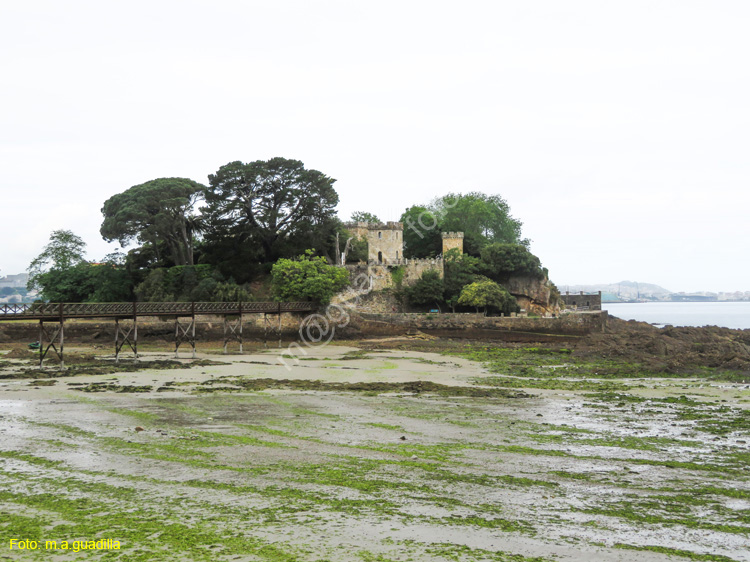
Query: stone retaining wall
x=456, y=324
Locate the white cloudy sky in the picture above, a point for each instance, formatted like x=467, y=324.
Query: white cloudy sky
x=619, y=132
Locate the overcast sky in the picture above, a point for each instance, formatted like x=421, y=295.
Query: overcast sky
x=619, y=133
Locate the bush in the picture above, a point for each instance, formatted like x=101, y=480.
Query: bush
x=307, y=278
x=488, y=295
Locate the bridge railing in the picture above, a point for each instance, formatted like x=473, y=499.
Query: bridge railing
x=127, y=309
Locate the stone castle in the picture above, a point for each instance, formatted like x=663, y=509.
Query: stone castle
x=385, y=256
x=385, y=253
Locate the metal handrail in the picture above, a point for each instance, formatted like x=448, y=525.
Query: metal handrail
x=53, y=311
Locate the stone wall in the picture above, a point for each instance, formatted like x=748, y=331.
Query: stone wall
x=453, y=240
x=378, y=277
x=585, y=301
x=476, y=325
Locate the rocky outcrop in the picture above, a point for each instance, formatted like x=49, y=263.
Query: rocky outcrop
x=533, y=294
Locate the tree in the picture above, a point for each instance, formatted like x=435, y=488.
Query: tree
x=275, y=205
x=190, y=283
x=487, y=294
x=87, y=282
x=459, y=270
x=63, y=251
x=428, y=290
x=363, y=216
x=308, y=278
x=421, y=232
x=503, y=261
x=158, y=211
x=482, y=218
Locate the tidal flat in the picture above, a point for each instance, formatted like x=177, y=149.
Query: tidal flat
x=374, y=451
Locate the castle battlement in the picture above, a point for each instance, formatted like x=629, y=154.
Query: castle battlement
x=390, y=225
x=445, y=235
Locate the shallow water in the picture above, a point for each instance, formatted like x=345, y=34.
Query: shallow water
x=725, y=314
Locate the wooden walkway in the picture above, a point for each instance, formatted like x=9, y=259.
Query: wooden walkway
x=126, y=314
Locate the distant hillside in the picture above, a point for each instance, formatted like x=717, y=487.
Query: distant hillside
x=625, y=290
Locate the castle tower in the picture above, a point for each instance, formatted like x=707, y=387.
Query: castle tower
x=453, y=240
x=385, y=241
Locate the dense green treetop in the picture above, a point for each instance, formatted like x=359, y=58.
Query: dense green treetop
x=268, y=203
x=158, y=211
x=503, y=261
x=421, y=232
x=482, y=218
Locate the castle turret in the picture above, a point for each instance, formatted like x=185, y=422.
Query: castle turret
x=385, y=241
x=453, y=240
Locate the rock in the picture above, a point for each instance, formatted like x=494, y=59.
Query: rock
x=139, y=428
x=403, y=438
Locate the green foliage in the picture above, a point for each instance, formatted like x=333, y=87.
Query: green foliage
x=421, y=232
x=199, y=283
x=484, y=219
x=488, y=295
x=459, y=270
x=158, y=211
x=359, y=250
x=63, y=251
x=503, y=261
x=87, y=282
x=363, y=216
x=267, y=209
x=428, y=290
x=308, y=277
x=397, y=276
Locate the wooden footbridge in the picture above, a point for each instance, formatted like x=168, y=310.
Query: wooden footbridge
x=126, y=315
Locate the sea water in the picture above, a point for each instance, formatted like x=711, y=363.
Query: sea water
x=725, y=314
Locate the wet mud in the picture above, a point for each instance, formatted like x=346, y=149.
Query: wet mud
x=382, y=451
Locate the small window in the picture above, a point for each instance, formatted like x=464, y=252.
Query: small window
x=396, y=254
x=380, y=234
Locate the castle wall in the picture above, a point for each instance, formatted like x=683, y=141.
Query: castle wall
x=379, y=276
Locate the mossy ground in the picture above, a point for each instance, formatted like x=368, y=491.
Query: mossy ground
x=267, y=466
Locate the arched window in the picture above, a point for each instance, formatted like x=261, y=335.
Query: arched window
x=380, y=257
x=380, y=234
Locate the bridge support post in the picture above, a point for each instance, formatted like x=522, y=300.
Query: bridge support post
x=268, y=326
x=49, y=339
x=233, y=329
x=126, y=332
x=184, y=334
x=279, y=326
